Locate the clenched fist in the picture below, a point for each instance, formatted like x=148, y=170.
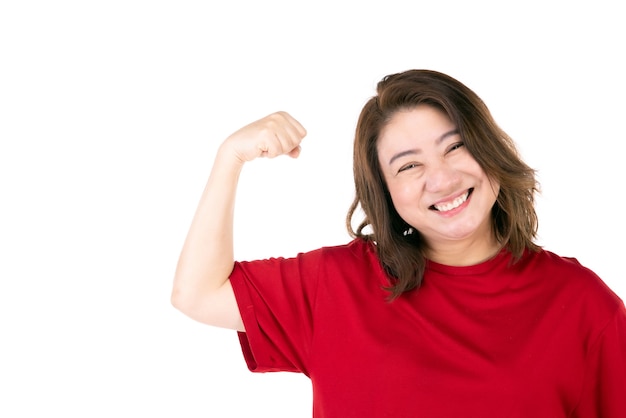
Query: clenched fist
x=276, y=134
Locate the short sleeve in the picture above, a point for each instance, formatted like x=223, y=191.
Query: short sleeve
x=604, y=389
x=276, y=300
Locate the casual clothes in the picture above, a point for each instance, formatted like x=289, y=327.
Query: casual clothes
x=544, y=337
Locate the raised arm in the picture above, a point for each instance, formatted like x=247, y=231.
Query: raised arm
x=201, y=288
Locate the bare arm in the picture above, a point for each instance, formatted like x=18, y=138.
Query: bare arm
x=201, y=287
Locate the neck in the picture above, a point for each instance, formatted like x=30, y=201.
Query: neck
x=464, y=253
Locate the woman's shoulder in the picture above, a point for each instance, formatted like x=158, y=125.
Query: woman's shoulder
x=569, y=274
x=355, y=251
x=569, y=266
x=356, y=246
x=552, y=262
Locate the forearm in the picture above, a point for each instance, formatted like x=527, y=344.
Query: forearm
x=206, y=259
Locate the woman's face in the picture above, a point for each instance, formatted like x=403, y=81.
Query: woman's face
x=436, y=186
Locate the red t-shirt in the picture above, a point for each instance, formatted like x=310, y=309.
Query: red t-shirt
x=544, y=337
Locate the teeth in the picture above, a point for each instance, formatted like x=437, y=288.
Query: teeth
x=454, y=204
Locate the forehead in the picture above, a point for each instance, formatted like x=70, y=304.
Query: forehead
x=419, y=124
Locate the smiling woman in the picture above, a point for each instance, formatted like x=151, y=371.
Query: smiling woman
x=437, y=187
x=426, y=114
x=446, y=306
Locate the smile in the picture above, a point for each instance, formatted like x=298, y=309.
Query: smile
x=445, y=207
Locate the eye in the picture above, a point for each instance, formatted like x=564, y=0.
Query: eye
x=456, y=146
x=407, y=167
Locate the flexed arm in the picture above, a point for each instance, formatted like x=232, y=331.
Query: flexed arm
x=201, y=287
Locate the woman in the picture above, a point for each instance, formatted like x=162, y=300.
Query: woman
x=442, y=305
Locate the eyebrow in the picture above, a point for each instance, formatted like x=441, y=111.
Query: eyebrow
x=417, y=151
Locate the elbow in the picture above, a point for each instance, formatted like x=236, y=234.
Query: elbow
x=184, y=292
x=175, y=299
x=217, y=307
x=190, y=300
x=180, y=299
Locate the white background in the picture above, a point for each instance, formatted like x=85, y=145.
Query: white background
x=110, y=115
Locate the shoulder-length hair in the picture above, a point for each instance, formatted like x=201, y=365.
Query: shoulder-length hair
x=514, y=220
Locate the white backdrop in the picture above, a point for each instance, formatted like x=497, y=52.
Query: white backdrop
x=110, y=115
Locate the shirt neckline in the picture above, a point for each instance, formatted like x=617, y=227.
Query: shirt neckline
x=503, y=256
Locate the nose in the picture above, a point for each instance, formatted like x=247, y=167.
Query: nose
x=441, y=177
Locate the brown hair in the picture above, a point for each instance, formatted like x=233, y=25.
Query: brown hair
x=514, y=219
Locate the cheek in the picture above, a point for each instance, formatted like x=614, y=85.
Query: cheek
x=402, y=195
x=477, y=171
